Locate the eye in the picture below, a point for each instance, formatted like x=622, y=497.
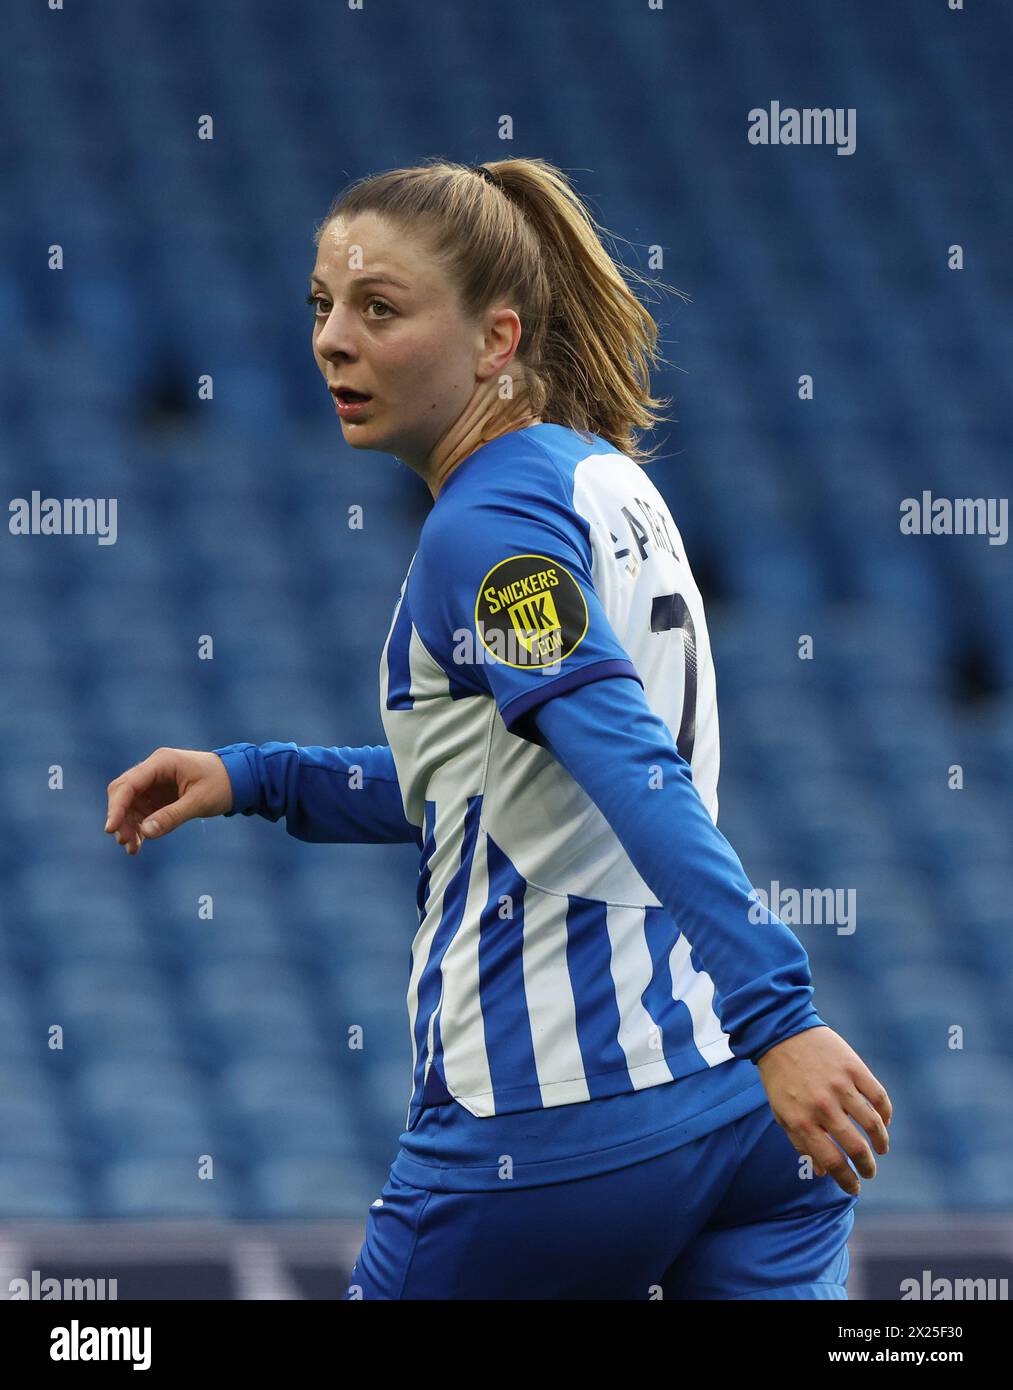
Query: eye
x=316, y=302
x=383, y=302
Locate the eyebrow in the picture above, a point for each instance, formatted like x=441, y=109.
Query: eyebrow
x=361, y=280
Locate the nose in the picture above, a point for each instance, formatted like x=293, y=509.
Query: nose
x=337, y=338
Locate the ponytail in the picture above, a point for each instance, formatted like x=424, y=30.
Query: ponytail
x=516, y=231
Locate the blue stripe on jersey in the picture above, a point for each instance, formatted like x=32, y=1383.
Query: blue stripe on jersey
x=422, y=899
x=430, y=986
x=399, y=673
x=435, y=1092
x=589, y=962
x=508, y=1041
x=670, y=1016
x=429, y=830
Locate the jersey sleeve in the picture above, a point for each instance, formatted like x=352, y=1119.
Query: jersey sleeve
x=327, y=795
x=760, y=970
x=506, y=604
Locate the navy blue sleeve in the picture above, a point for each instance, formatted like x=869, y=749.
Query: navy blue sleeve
x=327, y=795
x=608, y=739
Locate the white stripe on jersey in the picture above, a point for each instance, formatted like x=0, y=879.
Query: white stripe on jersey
x=466, y=1062
x=632, y=969
x=696, y=990
x=549, y=995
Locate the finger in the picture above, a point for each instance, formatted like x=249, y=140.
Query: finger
x=126, y=778
x=854, y=1144
x=130, y=838
x=864, y=1113
x=845, y=1178
x=140, y=807
x=124, y=797
x=122, y=791
x=876, y=1094
x=827, y=1159
x=844, y=1175
x=119, y=801
x=168, y=818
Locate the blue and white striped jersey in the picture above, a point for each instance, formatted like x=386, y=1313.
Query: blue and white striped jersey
x=546, y=642
x=544, y=970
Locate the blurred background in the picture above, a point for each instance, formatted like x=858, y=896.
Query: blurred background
x=181, y=256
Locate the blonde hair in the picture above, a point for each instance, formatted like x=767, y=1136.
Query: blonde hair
x=520, y=233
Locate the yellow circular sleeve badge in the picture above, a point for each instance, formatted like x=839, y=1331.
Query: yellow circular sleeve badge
x=530, y=611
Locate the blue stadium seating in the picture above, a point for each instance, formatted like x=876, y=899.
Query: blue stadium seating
x=185, y=1035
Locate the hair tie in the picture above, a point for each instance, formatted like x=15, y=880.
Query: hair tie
x=486, y=174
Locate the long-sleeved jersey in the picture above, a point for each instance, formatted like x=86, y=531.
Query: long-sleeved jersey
x=562, y=953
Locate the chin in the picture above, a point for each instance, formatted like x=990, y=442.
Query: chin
x=353, y=433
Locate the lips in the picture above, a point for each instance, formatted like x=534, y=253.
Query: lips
x=355, y=407
x=347, y=396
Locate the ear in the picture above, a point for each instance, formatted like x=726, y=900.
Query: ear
x=502, y=339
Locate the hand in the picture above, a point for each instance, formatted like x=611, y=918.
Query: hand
x=179, y=783
x=817, y=1085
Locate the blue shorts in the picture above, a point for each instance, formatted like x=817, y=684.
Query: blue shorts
x=724, y=1216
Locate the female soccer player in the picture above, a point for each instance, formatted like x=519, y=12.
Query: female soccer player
x=621, y=1086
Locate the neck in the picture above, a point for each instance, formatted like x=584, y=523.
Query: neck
x=469, y=433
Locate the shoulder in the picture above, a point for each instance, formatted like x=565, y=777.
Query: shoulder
x=506, y=524
x=518, y=488
x=517, y=469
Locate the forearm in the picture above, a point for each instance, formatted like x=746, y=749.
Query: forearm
x=326, y=795
x=759, y=968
